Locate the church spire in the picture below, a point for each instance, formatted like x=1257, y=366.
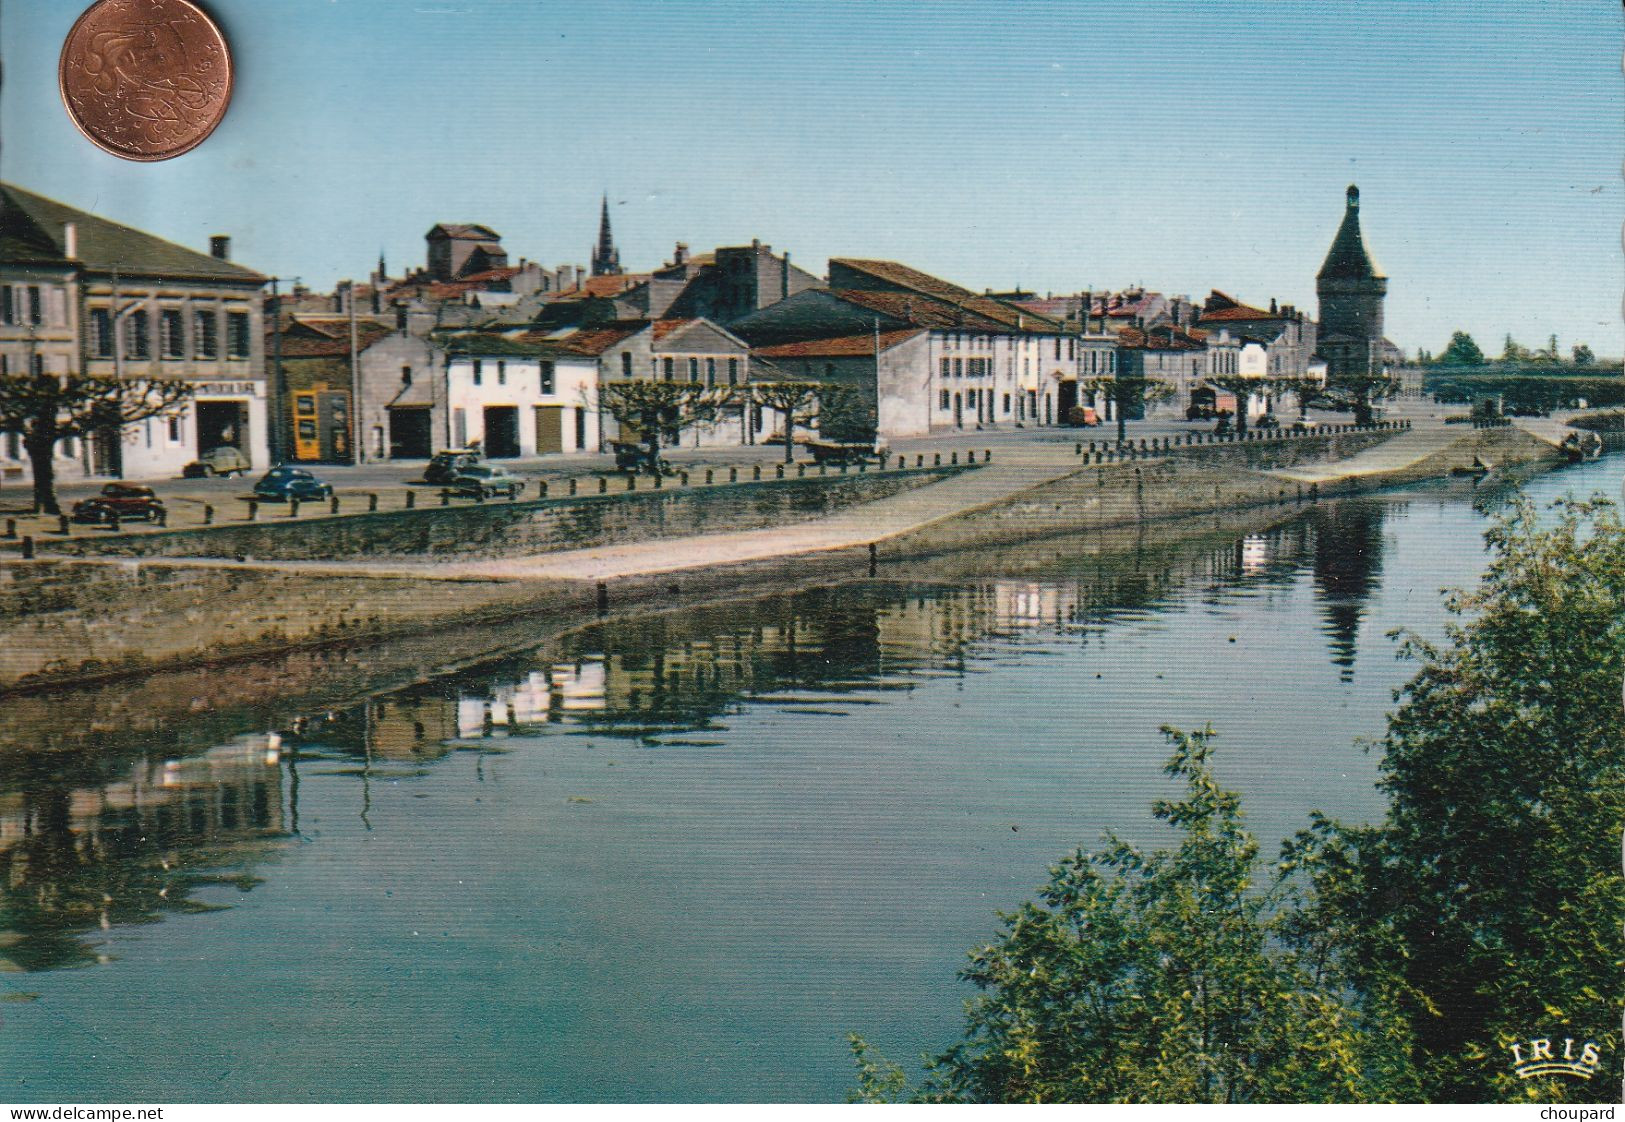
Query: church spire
x=606, y=260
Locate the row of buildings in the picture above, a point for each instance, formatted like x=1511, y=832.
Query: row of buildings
x=477, y=347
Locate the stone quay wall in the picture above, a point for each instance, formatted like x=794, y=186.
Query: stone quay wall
x=498, y=528
x=1201, y=481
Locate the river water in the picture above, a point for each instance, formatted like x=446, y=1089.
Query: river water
x=677, y=857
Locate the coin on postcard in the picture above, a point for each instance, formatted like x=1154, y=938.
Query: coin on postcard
x=145, y=79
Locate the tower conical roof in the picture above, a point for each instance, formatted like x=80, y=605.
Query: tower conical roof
x=1348, y=258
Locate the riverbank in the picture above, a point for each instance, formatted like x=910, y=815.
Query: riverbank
x=95, y=619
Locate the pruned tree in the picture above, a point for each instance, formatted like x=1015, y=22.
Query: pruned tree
x=1304, y=389
x=1243, y=386
x=44, y=408
x=1128, y=393
x=1364, y=391
x=799, y=403
x=658, y=413
x=1582, y=355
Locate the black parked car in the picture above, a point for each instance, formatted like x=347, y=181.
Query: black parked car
x=283, y=483
x=446, y=466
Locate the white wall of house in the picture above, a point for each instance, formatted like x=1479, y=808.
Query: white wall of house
x=475, y=384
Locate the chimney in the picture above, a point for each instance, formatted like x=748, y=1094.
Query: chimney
x=784, y=281
x=220, y=247
x=679, y=256
x=756, y=243
x=70, y=240
x=1272, y=306
x=581, y=275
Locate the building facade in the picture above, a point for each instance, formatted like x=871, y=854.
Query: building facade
x=115, y=302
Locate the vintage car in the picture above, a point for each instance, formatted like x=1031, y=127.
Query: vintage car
x=445, y=466
x=120, y=502
x=637, y=458
x=224, y=460
x=484, y=480
x=282, y=483
x=846, y=452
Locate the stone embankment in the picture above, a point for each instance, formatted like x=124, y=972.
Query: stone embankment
x=96, y=617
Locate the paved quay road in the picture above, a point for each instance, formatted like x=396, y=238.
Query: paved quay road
x=192, y=502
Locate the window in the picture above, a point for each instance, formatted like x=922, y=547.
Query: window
x=693, y=370
x=710, y=371
x=135, y=339
x=959, y=368
x=14, y=446
x=502, y=372
x=36, y=314
x=205, y=334
x=829, y=371
x=236, y=334
x=406, y=375
x=171, y=341
x=733, y=371
x=8, y=307
x=174, y=428
x=101, y=333
x=1006, y=405
x=626, y=364
x=548, y=377
x=668, y=368
x=947, y=366
x=970, y=398
x=1057, y=346
x=943, y=405
x=479, y=371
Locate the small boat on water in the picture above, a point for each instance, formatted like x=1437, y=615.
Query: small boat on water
x=1480, y=468
x=1579, y=446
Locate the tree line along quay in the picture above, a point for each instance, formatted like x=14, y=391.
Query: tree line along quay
x=128, y=357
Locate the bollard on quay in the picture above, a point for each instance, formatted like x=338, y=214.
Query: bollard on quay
x=709, y=475
x=801, y=471
x=293, y=507
x=603, y=484
x=333, y=504
x=445, y=498
x=572, y=485
x=659, y=481
x=411, y=499
x=372, y=502
x=28, y=548
x=936, y=460
x=112, y=521
x=602, y=596
x=11, y=528
x=778, y=471
x=253, y=510
x=987, y=455
x=919, y=460
x=953, y=457
x=631, y=482
x=733, y=475
x=541, y=488
x=62, y=524
x=163, y=517
x=683, y=479
x=756, y=472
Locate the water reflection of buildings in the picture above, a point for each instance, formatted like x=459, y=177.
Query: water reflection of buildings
x=74, y=859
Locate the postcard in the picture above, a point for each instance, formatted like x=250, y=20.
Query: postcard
x=803, y=553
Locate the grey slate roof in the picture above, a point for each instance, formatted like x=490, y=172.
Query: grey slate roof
x=103, y=245
x=1348, y=257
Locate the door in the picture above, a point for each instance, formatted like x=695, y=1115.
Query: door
x=1067, y=397
x=549, y=429
x=107, y=452
x=409, y=434
x=307, y=439
x=502, y=431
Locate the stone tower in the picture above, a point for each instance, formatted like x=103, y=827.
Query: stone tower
x=606, y=260
x=1351, y=290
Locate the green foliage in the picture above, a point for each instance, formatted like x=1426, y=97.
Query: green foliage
x=1392, y=962
x=1488, y=904
x=1158, y=977
x=1611, y=421
x=1526, y=393
x=1581, y=355
x=1461, y=351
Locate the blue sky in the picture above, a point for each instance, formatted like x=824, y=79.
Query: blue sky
x=1058, y=146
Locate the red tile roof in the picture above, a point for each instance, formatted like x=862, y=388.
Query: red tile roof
x=925, y=311
x=599, y=287
x=847, y=346
x=591, y=341
x=1164, y=338
x=308, y=340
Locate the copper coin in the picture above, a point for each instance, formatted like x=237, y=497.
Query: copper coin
x=145, y=79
